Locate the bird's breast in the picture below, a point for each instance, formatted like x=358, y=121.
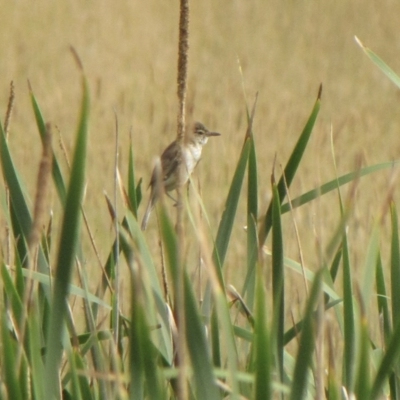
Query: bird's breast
x=192, y=154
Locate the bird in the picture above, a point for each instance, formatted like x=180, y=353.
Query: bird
x=171, y=174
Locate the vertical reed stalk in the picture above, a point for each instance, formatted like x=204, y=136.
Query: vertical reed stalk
x=183, y=47
x=117, y=279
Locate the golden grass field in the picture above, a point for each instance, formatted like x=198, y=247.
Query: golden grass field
x=285, y=49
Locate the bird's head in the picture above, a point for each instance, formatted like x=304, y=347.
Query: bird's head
x=201, y=133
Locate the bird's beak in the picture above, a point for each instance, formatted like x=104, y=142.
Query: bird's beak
x=213, y=134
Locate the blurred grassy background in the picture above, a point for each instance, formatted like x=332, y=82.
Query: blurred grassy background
x=285, y=48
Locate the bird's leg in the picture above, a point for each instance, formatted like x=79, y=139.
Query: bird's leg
x=188, y=187
x=175, y=201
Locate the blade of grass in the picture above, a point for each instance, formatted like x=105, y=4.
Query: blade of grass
x=56, y=170
x=17, y=199
x=133, y=193
x=99, y=357
x=228, y=341
x=35, y=357
x=291, y=167
x=278, y=283
x=395, y=282
x=252, y=216
x=333, y=387
x=382, y=298
x=215, y=341
x=197, y=347
x=307, y=343
x=335, y=183
x=262, y=345
x=228, y=216
x=327, y=287
x=9, y=356
x=380, y=63
x=370, y=266
x=72, y=289
x=348, y=321
x=252, y=255
x=11, y=293
x=75, y=379
x=173, y=250
x=20, y=215
x=219, y=253
x=297, y=328
x=334, y=268
x=136, y=354
x=24, y=377
x=226, y=224
x=395, y=266
x=66, y=251
x=144, y=371
x=388, y=362
x=221, y=325
x=140, y=248
x=362, y=384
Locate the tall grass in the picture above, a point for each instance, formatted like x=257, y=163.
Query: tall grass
x=237, y=343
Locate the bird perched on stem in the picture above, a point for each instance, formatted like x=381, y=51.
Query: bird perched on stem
x=177, y=163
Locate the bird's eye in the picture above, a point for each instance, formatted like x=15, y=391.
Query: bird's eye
x=199, y=129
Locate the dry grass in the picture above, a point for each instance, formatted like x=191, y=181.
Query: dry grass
x=285, y=49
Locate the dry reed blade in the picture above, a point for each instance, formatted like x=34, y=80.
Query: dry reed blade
x=42, y=190
x=10, y=107
x=7, y=119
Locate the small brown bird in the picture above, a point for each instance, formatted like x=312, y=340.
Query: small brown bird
x=172, y=174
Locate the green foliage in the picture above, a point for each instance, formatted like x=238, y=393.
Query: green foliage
x=168, y=344
x=66, y=252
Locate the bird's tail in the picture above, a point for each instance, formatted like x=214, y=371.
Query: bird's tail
x=147, y=213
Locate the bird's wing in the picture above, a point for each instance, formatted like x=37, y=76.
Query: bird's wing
x=170, y=159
